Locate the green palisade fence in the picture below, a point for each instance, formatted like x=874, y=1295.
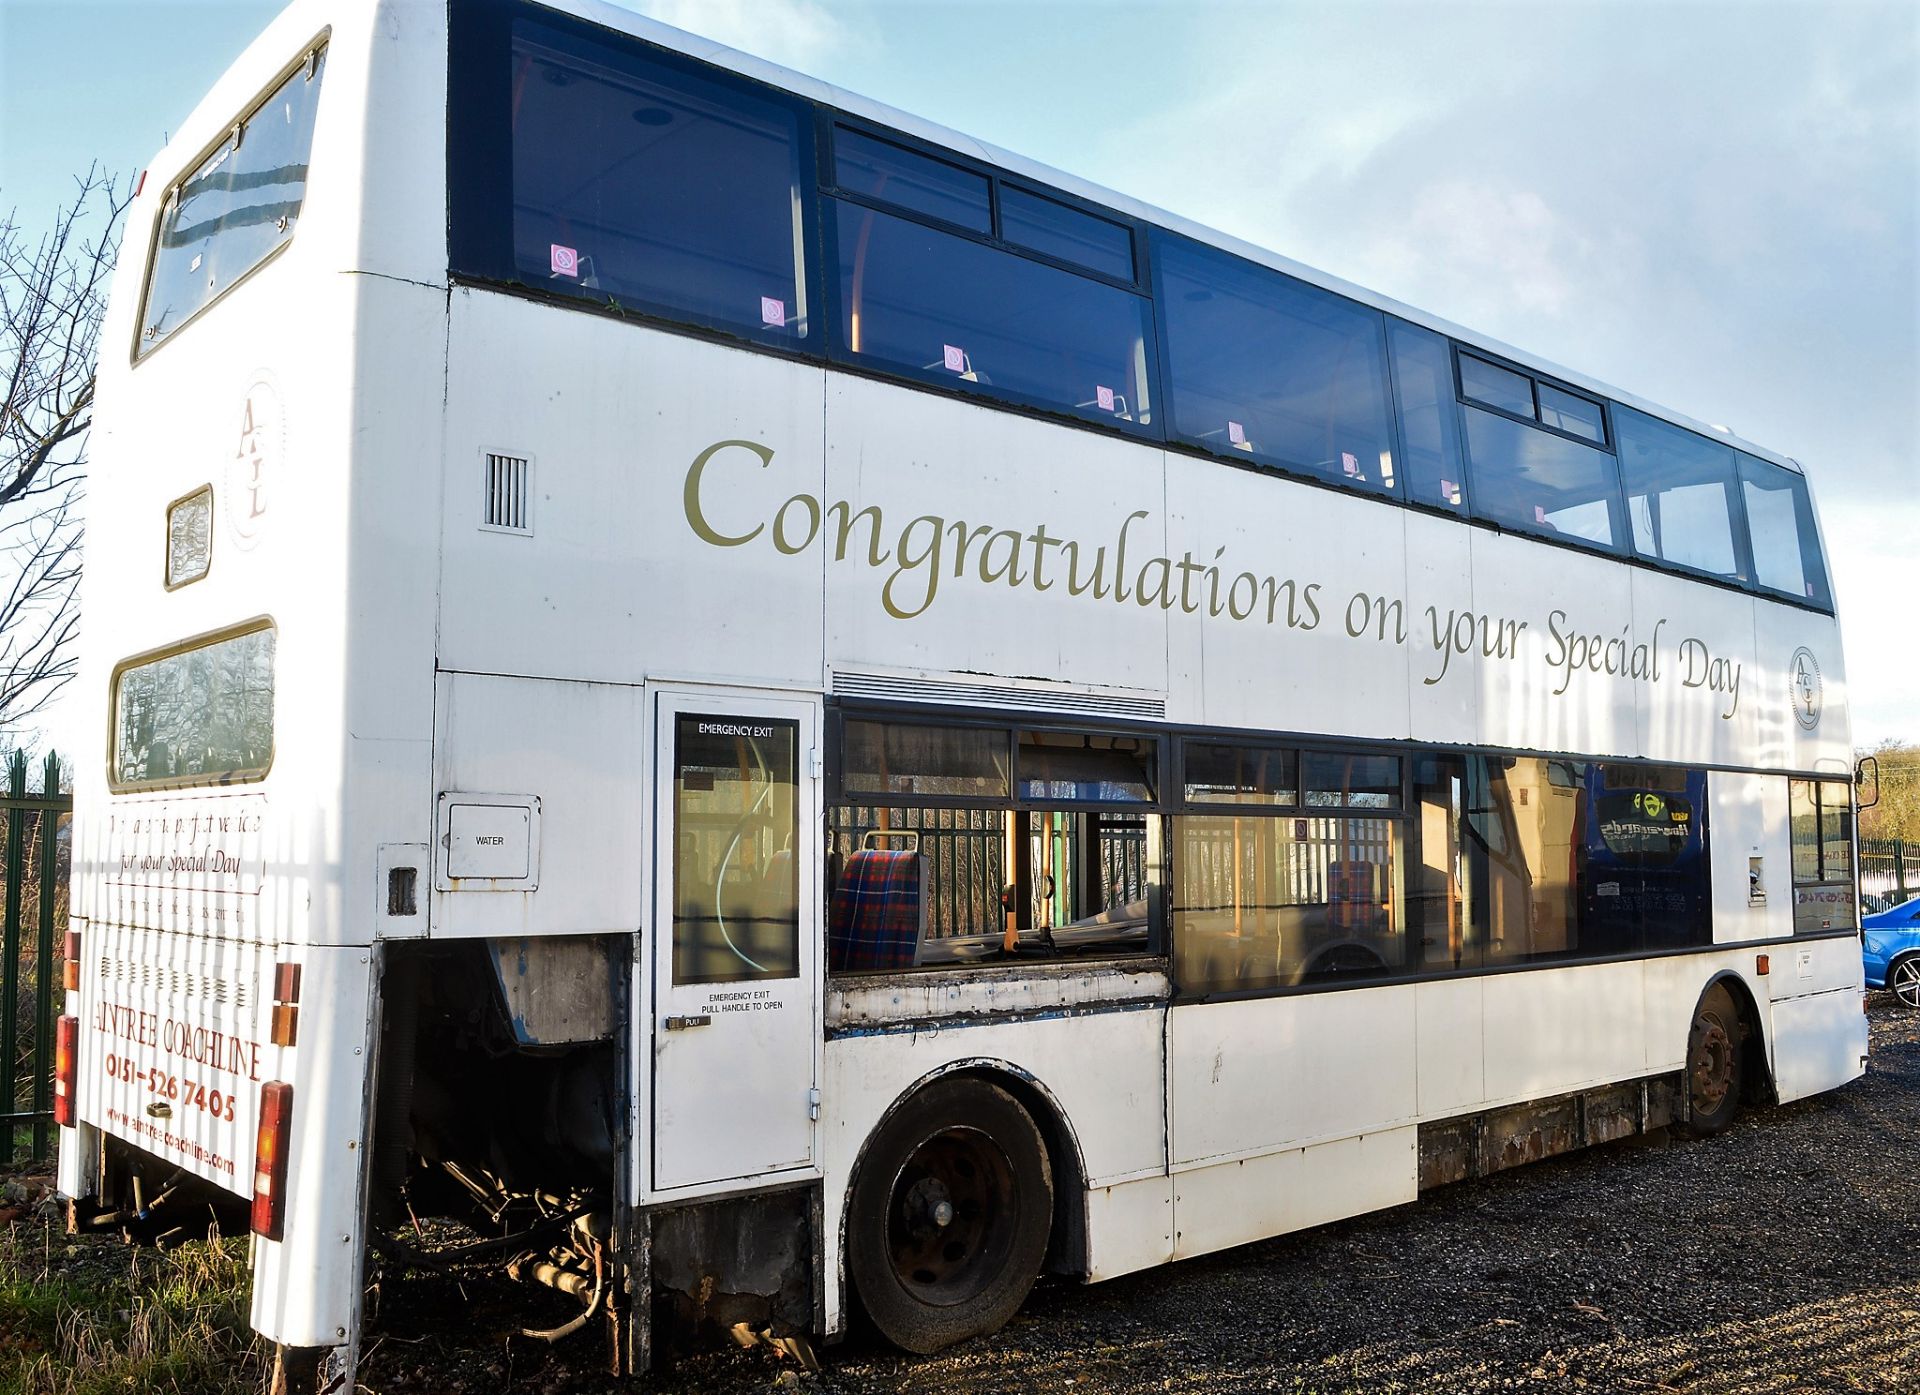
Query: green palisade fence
x=31, y=941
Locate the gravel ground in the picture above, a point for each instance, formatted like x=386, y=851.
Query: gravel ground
x=1783, y=1255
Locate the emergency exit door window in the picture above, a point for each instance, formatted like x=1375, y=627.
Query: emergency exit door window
x=736, y=899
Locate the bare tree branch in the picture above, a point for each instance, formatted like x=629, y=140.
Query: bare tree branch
x=52, y=298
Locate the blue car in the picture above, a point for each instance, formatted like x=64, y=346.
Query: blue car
x=1891, y=947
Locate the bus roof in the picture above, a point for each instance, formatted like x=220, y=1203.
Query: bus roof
x=612, y=16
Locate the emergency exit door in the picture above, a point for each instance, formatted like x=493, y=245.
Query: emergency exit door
x=735, y=934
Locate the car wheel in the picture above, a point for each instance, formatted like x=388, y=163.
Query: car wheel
x=1713, y=1070
x=949, y=1218
x=1903, y=979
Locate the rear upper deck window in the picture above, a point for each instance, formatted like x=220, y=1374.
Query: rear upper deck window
x=639, y=184
x=201, y=714
x=236, y=209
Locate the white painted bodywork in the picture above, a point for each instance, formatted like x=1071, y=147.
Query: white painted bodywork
x=421, y=654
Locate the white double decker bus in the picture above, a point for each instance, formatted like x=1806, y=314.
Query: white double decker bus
x=773, y=709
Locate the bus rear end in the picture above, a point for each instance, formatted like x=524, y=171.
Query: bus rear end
x=216, y=1039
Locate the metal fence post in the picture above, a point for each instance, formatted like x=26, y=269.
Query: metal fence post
x=10, y=957
x=1900, y=867
x=43, y=980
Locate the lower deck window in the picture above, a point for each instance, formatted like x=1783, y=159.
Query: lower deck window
x=1820, y=816
x=201, y=714
x=928, y=887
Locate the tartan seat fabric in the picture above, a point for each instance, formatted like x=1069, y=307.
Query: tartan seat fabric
x=875, y=919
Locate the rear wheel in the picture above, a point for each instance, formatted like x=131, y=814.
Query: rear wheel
x=1903, y=979
x=949, y=1216
x=1713, y=1072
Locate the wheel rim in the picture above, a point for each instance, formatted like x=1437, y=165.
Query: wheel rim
x=1906, y=982
x=949, y=1220
x=1711, y=1066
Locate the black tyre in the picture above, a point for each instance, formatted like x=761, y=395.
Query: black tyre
x=949, y=1217
x=1903, y=980
x=1715, y=1046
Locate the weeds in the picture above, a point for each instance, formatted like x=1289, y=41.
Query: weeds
x=93, y=1316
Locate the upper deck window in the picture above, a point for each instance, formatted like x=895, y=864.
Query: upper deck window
x=1269, y=367
x=1029, y=220
x=638, y=183
x=236, y=209
x=1786, y=546
x=934, y=305
x=1429, y=419
x=1681, y=498
x=882, y=170
x=1541, y=482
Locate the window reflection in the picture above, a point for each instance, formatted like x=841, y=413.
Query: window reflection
x=1539, y=482
x=1820, y=822
x=1269, y=902
x=240, y=205
x=1274, y=369
x=735, y=886
x=1429, y=433
x=201, y=716
x=639, y=184
x=1680, y=495
x=1786, y=545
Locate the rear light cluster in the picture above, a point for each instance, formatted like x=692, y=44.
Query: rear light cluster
x=66, y=1067
x=270, y=1159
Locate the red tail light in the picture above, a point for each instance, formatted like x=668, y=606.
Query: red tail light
x=70, y=968
x=270, y=1159
x=66, y=1066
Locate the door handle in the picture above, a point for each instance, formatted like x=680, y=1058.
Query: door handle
x=680, y=1024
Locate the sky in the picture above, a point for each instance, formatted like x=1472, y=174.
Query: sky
x=1710, y=205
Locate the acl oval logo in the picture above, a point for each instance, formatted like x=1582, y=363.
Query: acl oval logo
x=1805, y=688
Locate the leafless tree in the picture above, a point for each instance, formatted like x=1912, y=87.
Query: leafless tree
x=52, y=296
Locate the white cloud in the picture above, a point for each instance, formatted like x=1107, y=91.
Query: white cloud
x=797, y=33
x=1869, y=547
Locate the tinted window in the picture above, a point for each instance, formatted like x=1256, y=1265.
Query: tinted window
x=1355, y=782
x=1066, y=233
x=1820, y=821
x=1538, y=482
x=637, y=184
x=1263, y=902
x=885, y=171
x=1059, y=766
x=1680, y=495
x=1274, y=369
x=892, y=758
x=1786, y=548
x=1429, y=420
x=936, y=305
x=239, y=206
x=1240, y=775
x=1481, y=381
x=1578, y=416
x=200, y=716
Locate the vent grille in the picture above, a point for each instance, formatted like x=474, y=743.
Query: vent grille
x=896, y=688
x=508, y=505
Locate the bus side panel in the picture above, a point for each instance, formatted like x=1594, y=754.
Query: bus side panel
x=1820, y=1041
x=1262, y=1074
x=306, y=1286
x=1801, y=690
x=1747, y=819
x=1233, y=1203
x=1323, y=580
x=1103, y=1071
x=1549, y=1031
x=609, y=570
x=1703, y=708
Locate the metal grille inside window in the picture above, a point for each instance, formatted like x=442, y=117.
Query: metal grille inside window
x=508, y=506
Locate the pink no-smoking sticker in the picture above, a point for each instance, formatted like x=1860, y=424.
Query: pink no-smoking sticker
x=1236, y=433
x=955, y=359
x=1104, y=396
x=773, y=312
x=564, y=260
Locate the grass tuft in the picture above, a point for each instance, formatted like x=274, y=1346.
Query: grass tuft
x=89, y=1317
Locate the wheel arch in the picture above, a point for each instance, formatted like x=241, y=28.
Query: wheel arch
x=1067, y=1250
x=1894, y=960
x=1757, y=1084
